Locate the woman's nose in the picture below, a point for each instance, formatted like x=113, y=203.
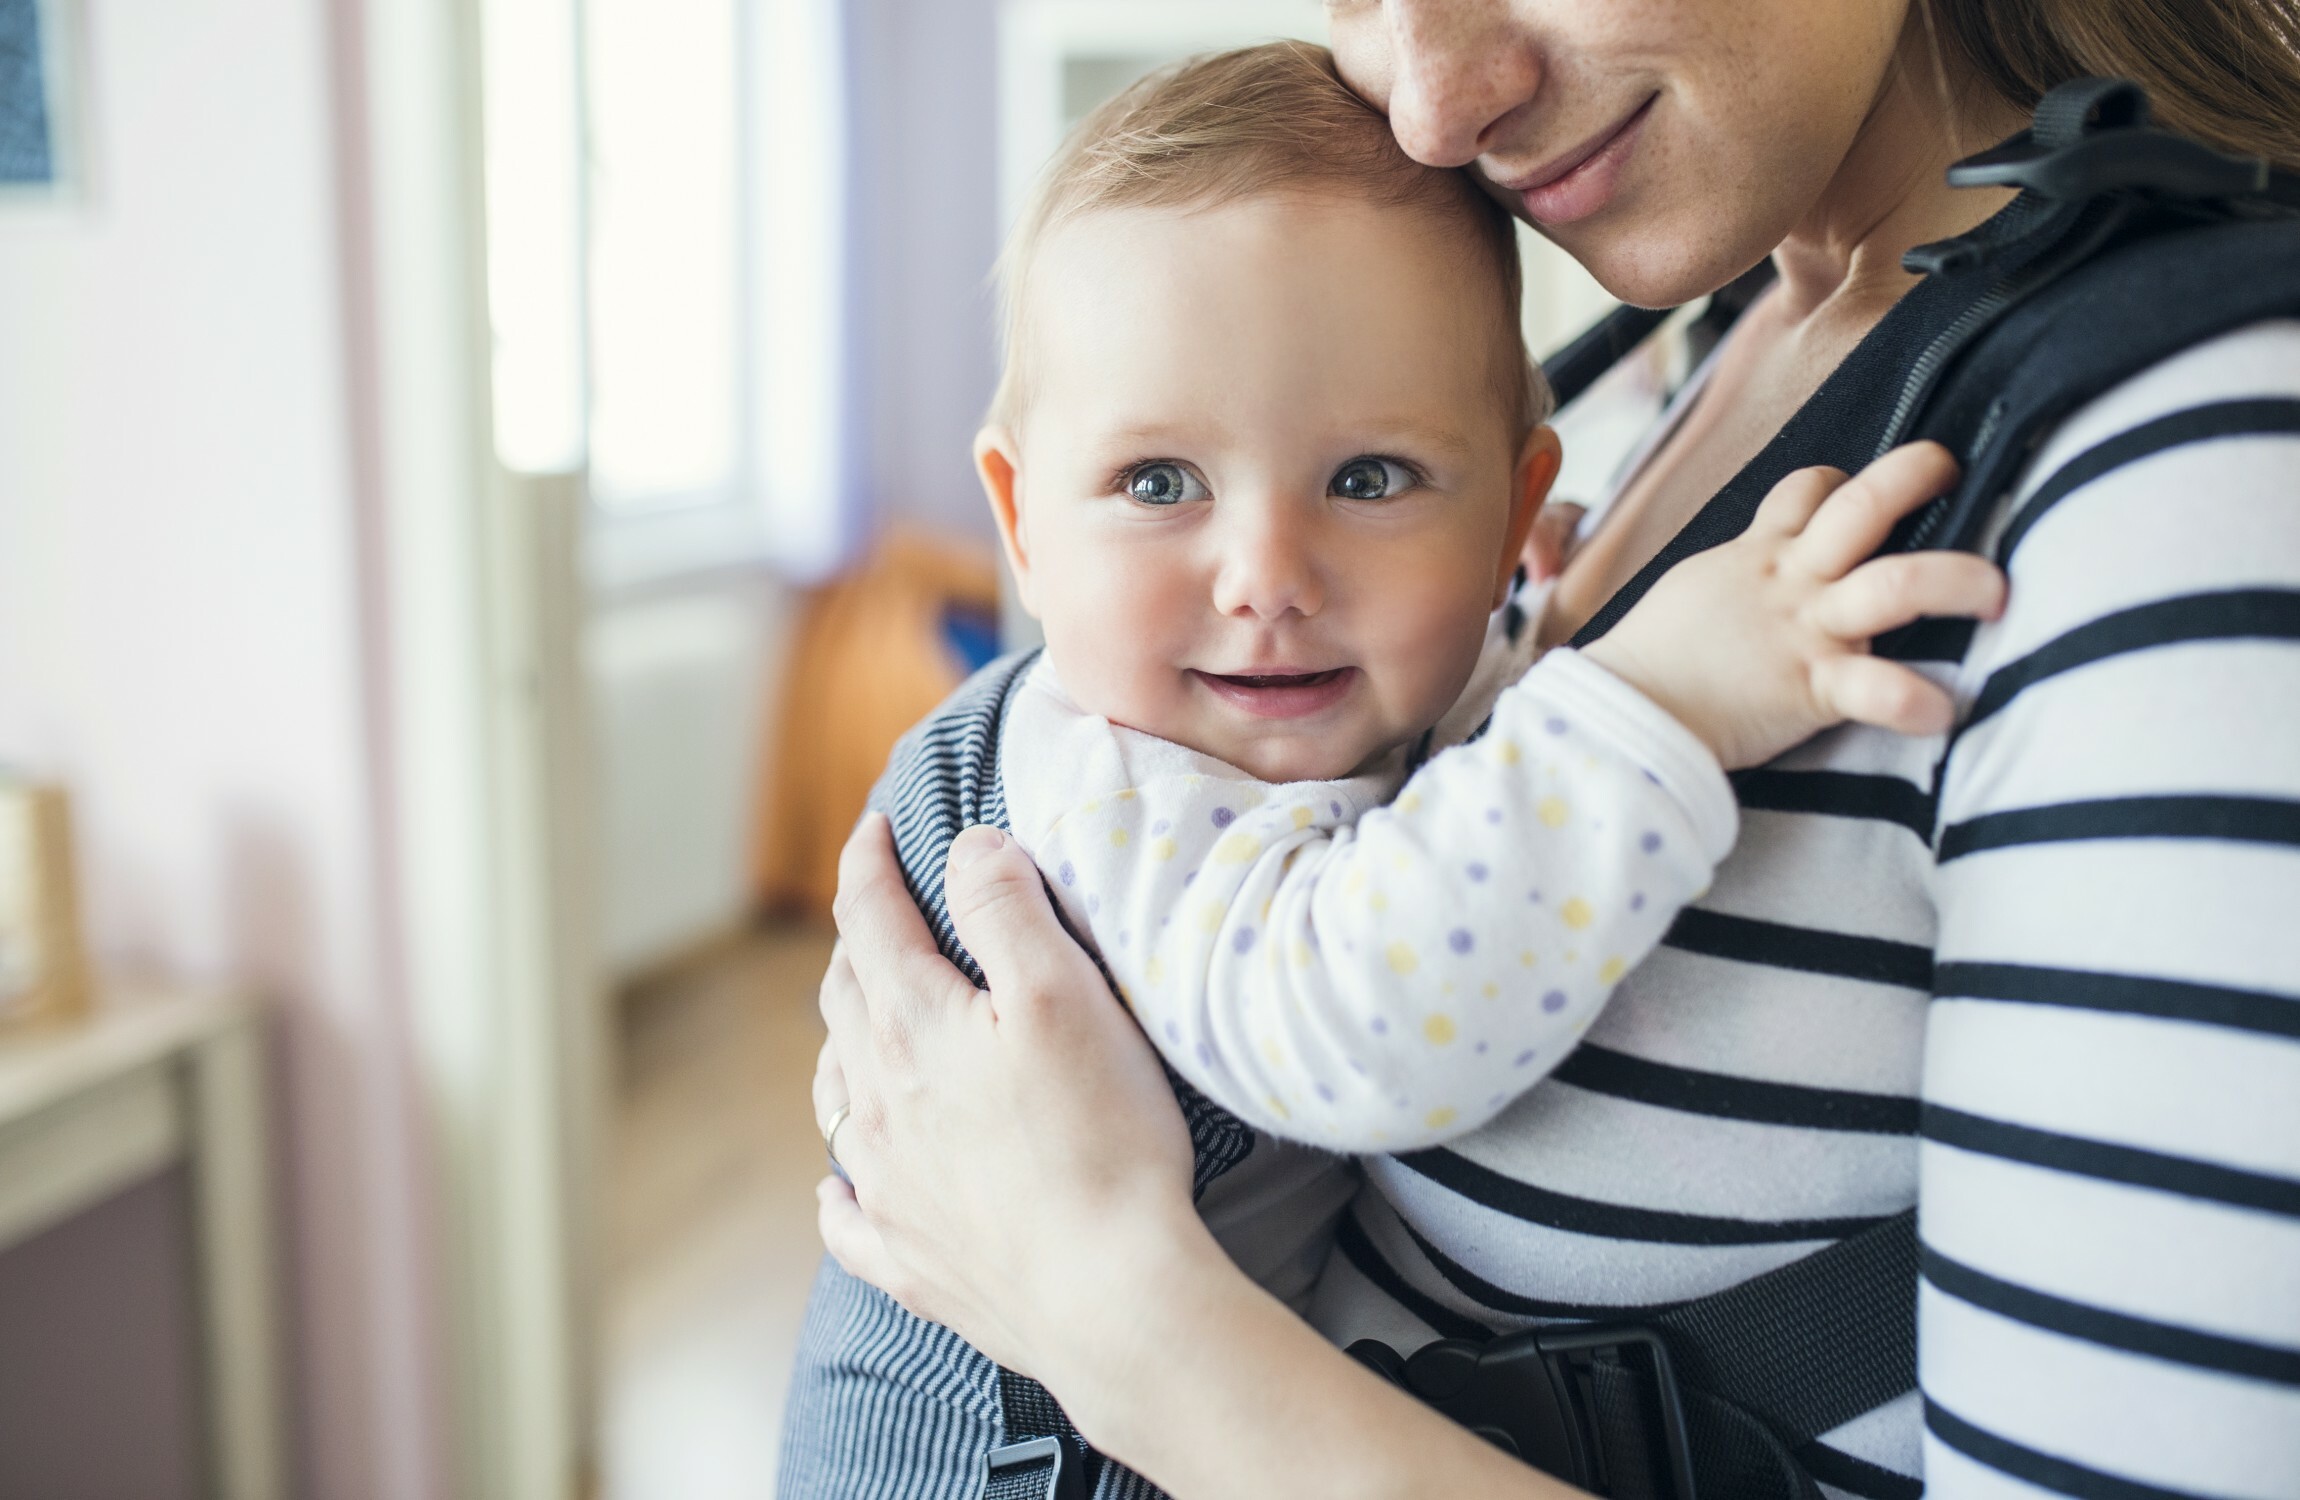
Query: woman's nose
x=1266, y=567
x=1459, y=68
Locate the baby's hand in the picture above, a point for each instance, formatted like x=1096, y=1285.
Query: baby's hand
x=1763, y=642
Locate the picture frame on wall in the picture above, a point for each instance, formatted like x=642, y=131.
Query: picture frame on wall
x=42, y=143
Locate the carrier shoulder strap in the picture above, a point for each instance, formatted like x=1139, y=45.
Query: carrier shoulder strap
x=943, y=778
x=2144, y=243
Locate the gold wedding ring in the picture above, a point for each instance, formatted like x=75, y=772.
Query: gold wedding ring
x=831, y=1131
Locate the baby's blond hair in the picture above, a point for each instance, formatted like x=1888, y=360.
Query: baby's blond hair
x=1270, y=119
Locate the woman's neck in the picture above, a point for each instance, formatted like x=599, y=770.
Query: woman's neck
x=1890, y=193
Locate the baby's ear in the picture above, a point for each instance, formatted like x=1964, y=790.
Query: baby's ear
x=998, y=459
x=1537, y=464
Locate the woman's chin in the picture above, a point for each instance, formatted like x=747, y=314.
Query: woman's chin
x=1662, y=264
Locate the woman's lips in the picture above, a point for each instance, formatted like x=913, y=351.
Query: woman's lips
x=1281, y=695
x=1584, y=180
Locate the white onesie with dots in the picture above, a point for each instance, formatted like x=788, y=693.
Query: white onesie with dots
x=1359, y=971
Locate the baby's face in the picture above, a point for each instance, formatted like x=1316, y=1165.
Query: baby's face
x=1264, y=494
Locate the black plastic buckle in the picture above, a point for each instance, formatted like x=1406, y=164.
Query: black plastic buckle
x=1003, y=1469
x=1533, y=1394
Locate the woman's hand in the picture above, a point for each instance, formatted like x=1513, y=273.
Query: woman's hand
x=1021, y=1174
x=1003, y=1146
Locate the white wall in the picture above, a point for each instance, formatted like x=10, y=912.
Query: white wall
x=183, y=636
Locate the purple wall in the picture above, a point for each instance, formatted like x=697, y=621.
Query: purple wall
x=926, y=235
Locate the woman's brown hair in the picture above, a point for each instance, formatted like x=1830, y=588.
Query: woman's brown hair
x=2224, y=71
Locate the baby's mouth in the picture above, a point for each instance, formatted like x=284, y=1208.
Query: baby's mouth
x=1280, y=695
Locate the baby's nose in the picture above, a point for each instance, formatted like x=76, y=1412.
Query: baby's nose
x=1268, y=566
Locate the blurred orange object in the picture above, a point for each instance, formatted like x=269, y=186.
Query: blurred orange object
x=872, y=657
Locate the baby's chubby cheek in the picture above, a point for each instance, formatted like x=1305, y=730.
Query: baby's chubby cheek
x=1414, y=682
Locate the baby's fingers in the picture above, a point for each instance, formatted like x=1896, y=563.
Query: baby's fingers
x=1788, y=508
x=1856, y=519
x=1900, y=590
x=1871, y=690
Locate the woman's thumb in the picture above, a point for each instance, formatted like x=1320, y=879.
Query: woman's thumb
x=999, y=905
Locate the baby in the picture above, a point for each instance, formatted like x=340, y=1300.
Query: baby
x=1264, y=460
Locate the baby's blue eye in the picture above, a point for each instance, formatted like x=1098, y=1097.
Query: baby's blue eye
x=1164, y=484
x=1371, y=479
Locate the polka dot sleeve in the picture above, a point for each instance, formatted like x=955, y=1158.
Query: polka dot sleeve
x=1383, y=979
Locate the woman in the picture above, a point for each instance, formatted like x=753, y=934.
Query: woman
x=2097, y=1011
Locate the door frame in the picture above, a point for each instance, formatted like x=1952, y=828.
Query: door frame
x=487, y=744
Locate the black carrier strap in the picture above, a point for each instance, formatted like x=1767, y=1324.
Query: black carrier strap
x=1716, y=1396
x=1043, y=1457
x=2140, y=244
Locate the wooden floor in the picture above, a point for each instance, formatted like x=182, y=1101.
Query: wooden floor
x=711, y=1232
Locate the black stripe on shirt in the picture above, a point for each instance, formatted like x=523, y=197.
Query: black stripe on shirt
x=1350, y=1238
x=2083, y=1157
x=2041, y=1469
x=2243, y=820
x=1538, y=1205
x=1691, y=1091
x=1838, y=794
x=1938, y=640
x=2111, y=1330
x=2263, y=417
x=1808, y=950
x=1856, y=1476
x=1502, y=1300
x=2123, y=994
x=2229, y=615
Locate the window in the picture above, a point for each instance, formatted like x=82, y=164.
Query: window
x=666, y=226
x=716, y=293
x=665, y=292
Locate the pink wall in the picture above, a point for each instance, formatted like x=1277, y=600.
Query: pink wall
x=183, y=636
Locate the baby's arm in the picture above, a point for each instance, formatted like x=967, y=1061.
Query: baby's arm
x=1385, y=986
x=1356, y=988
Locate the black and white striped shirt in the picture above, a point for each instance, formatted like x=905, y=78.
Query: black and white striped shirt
x=2040, y=978
x=2043, y=978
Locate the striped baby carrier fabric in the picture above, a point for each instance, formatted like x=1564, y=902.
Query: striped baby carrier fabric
x=883, y=1404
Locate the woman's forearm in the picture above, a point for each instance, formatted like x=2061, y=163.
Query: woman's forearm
x=1188, y=1373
